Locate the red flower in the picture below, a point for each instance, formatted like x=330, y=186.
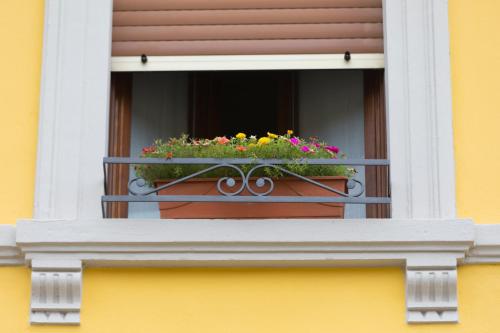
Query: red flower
x=147, y=150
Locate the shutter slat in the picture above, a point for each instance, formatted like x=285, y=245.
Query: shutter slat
x=235, y=47
x=248, y=32
x=232, y=27
x=155, y=5
x=251, y=16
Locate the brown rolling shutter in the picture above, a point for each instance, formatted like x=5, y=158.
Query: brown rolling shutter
x=224, y=27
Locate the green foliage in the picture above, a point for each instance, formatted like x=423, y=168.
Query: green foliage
x=273, y=146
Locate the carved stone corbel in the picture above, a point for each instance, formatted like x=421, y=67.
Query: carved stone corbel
x=56, y=292
x=431, y=291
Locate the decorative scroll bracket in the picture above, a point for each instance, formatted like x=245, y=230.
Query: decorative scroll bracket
x=431, y=291
x=56, y=287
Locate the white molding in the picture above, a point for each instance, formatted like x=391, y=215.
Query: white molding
x=486, y=249
x=247, y=62
x=431, y=290
x=10, y=255
x=418, y=101
x=73, y=108
x=56, y=292
x=249, y=243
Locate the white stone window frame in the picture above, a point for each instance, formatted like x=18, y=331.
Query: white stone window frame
x=423, y=235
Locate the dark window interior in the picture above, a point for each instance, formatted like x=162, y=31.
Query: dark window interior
x=253, y=102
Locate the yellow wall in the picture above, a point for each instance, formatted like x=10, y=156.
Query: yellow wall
x=21, y=26
x=253, y=300
x=475, y=64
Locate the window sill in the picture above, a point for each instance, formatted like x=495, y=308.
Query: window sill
x=136, y=242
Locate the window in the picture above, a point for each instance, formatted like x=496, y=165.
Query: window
x=343, y=107
x=418, y=101
x=325, y=103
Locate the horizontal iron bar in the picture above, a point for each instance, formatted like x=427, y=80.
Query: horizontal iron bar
x=244, y=198
x=310, y=161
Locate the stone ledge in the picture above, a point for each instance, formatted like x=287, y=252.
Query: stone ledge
x=136, y=242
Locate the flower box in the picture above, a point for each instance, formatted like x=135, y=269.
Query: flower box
x=246, y=210
x=288, y=180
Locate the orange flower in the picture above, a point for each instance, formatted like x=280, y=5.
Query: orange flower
x=222, y=140
x=169, y=155
x=241, y=148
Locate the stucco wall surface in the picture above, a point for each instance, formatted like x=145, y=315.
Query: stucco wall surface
x=259, y=300
x=21, y=30
x=475, y=66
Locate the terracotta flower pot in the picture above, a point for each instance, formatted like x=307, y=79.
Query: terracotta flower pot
x=282, y=187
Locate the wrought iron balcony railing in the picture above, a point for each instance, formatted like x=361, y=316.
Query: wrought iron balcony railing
x=245, y=181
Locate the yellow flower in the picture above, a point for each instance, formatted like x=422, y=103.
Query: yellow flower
x=289, y=132
x=271, y=135
x=264, y=141
x=241, y=136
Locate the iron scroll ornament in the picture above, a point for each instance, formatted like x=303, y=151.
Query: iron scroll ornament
x=245, y=182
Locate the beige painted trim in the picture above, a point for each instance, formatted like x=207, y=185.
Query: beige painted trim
x=247, y=62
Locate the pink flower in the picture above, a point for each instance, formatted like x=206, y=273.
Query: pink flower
x=294, y=141
x=317, y=145
x=222, y=140
x=333, y=149
x=305, y=149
